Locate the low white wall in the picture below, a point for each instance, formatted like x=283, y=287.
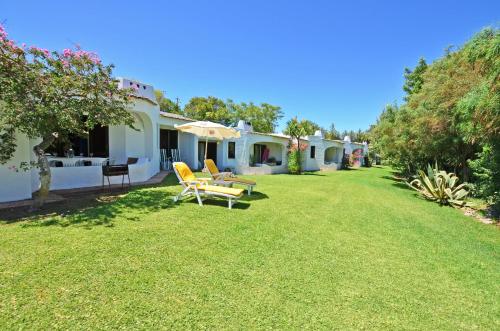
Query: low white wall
x=263, y=170
x=16, y=185
x=75, y=177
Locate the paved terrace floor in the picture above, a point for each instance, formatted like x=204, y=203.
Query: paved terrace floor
x=61, y=195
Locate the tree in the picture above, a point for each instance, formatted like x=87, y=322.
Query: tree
x=332, y=133
x=208, y=109
x=46, y=95
x=451, y=116
x=166, y=104
x=263, y=118
x=414, y=78
x=309, y=127
x=295, y=130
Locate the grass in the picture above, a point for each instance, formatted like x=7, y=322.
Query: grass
x=341, y=250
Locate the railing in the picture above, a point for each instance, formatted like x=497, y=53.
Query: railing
x=76, y=161
x=167, y=157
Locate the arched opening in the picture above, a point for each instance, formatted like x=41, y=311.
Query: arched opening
x=266, y=153
x=332, y=155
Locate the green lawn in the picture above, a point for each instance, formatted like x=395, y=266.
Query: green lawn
x=342, y=250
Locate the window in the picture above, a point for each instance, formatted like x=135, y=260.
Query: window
x=95, y=144
x=168, y=139
x=313, y=152
x=231, y=150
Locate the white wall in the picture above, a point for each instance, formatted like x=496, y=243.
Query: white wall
x=16, y=185
x=117, y=143
x=313, y=164
x=227, y=162
x=136, y=139
x=188, y=146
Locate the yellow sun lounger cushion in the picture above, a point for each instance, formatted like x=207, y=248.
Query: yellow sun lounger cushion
x=217, y=175
x=212, y=168
x=221, y=189
x=199, y=186
x=184, y=172
x=239, y=180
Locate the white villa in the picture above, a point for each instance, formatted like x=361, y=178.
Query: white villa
x=252, y=153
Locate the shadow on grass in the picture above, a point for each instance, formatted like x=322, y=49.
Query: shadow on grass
x=397, y=181
x=241, y=204
x=218, y=202
x=94, y=210
x=254, y=196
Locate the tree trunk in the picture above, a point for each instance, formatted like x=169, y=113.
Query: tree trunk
x=299, y=157
x=44, y=170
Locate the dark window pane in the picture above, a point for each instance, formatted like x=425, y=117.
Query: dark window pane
x=231, y=151
x=313, y=152
x=168, y=139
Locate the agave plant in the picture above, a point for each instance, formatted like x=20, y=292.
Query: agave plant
x=441, y=187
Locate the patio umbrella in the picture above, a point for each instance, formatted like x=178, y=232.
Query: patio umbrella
x=208, y=130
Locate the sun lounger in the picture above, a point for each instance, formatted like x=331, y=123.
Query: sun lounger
x=227, y=178
x=200, y=187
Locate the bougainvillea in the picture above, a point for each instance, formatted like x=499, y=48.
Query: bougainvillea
x=47, y=94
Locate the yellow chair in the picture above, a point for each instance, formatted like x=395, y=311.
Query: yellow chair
x=200, y=187
x=227, y=178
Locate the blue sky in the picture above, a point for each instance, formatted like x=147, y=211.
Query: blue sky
x=327, y=61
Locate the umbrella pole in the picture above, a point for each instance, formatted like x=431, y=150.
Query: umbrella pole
x=206, y=147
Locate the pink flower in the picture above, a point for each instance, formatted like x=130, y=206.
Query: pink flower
x=3, y=34
x=67, y=52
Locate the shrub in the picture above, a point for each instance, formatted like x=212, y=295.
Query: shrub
x=346, y=162
x=367, y=162
x=294, y=162
x=441, y=187
x=486, y=174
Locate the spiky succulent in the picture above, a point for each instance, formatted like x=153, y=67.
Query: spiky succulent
x=441, y=187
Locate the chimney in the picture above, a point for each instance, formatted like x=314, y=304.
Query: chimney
x=244, y=126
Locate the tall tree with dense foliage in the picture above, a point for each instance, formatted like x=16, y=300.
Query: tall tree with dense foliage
x=451, y=116
x=331, y=133
x=166, y=104
x=47, y=95
x=208, y=109
x=264, y=117
x=309, y=127
x=413, y=78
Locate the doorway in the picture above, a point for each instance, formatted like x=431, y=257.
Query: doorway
x=211, y=152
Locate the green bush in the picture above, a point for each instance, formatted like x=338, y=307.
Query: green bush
x=486, y=174
x=367, y=162
x=346, y=162
x=294, y=162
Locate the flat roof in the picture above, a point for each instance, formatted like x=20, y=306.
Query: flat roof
x=176, y=116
